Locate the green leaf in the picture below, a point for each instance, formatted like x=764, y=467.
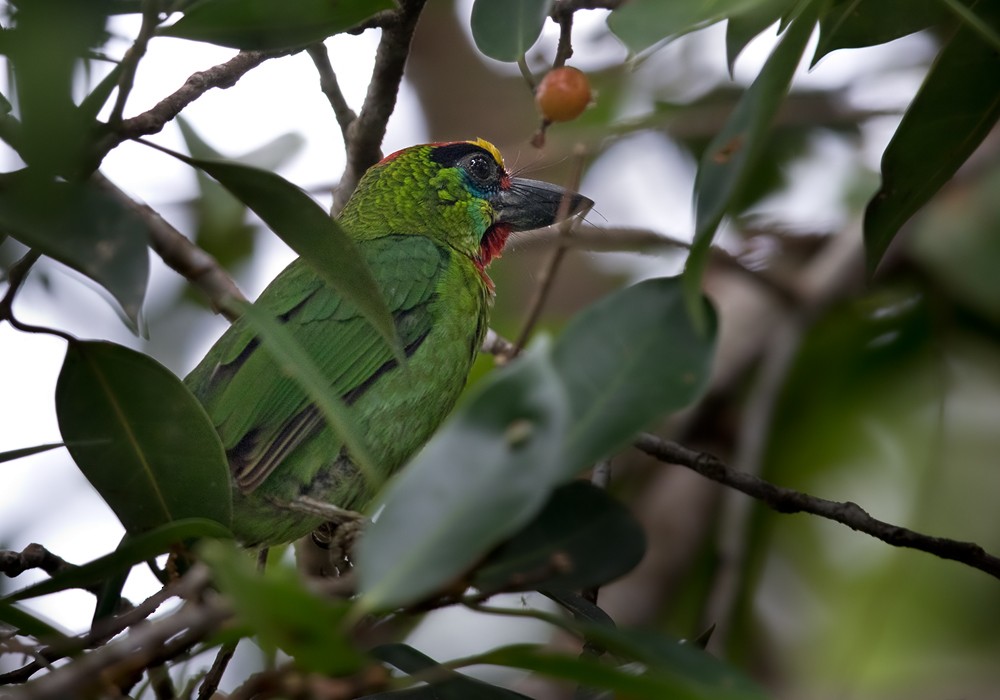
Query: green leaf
x=642, y=23
x=296, y=363
x=628, y=359
x=587, y=671
x=83, y=227
x=583, y=537
x=268, y=25
x=955, y=108
x=506, y=30
x=31, y=624
x=454, y=686
x=483, y=475
x=282, y=613
x=11, y=455
x=94, y=102
x=222, y=227
x=133, y=550
x=309, y=231
x=851, y=24
x=743, y=27
x=733, y=153
x=579, y=607
x=140, y=437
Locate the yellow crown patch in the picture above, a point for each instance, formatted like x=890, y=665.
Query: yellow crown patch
x=483, y=143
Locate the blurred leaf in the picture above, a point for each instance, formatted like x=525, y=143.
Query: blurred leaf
x=955, y=108
x=583, y=537
x=312, y=233
x=743, y=27
x=140, y=437
x=292, y=358
x=28, y=451
x=850, y=24
x=454, y=686
x=83, y=227
x=956, y=242
x=45, y=45
x=267, y=25
x=506, y=30
x=626, y=360
x=658, y=680
x=642, y=23
x=31, y=624
x=222, y=228
x=283, y=613
x=483, y=475
x=94, y=102
x=133, y=550
x=734, y=152
x=579, y=607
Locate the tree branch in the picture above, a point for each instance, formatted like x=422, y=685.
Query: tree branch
x=181, y=255
x=34, y=556
x=365, y=134
x=331, y=88
x=786, y=500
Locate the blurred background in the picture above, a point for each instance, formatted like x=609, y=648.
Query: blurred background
x=883, y=391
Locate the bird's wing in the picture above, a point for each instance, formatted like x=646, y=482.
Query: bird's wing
x=261, y=413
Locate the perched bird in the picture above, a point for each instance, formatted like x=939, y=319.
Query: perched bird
x=428, y=219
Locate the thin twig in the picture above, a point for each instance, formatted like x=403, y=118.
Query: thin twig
x=211, y=681
x=34, y=556
x=16, y=276
x=786, y=500
x=331, y=87
x=562, y=13
x=364, y=138
x=547, y=275
x=222, y=76
x=129, y=64
x=181, y=255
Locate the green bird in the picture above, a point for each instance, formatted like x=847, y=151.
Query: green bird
x=428, y=220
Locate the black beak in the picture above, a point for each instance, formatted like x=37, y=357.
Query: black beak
x=530, y=204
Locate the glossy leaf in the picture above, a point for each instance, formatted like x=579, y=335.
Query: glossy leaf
x=956, y=107
x=283, y=613
x=583, y=537
x=11, y=455
x=82, y=227
x=93, y=103
x=140, y=437
x=301, y=223
x=506, y=30
x=268, y=25
x=643, y=23
x=733, y=153
x=133, y=550
x=481, y=477
x=628, y=359
x=851, y=24
x=455, y=686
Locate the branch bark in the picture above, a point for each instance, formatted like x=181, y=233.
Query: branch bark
x=785, y=500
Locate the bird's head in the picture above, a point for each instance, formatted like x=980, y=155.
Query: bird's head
x=460, y=194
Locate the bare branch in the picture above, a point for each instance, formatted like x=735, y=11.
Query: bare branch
x=331, y=88
x=34, y=556
x=222, y=76
x=786, y=500
x=181, y=255
x=364, y=137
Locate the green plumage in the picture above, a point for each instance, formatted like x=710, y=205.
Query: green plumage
x=426, y=220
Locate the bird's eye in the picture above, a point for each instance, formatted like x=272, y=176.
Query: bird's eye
x=480, y=168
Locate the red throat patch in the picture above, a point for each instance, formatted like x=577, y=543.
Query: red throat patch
x=490, y=248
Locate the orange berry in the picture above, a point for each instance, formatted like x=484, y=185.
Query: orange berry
x=563, y=94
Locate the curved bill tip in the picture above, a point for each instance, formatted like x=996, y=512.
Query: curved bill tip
x=530, y=204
